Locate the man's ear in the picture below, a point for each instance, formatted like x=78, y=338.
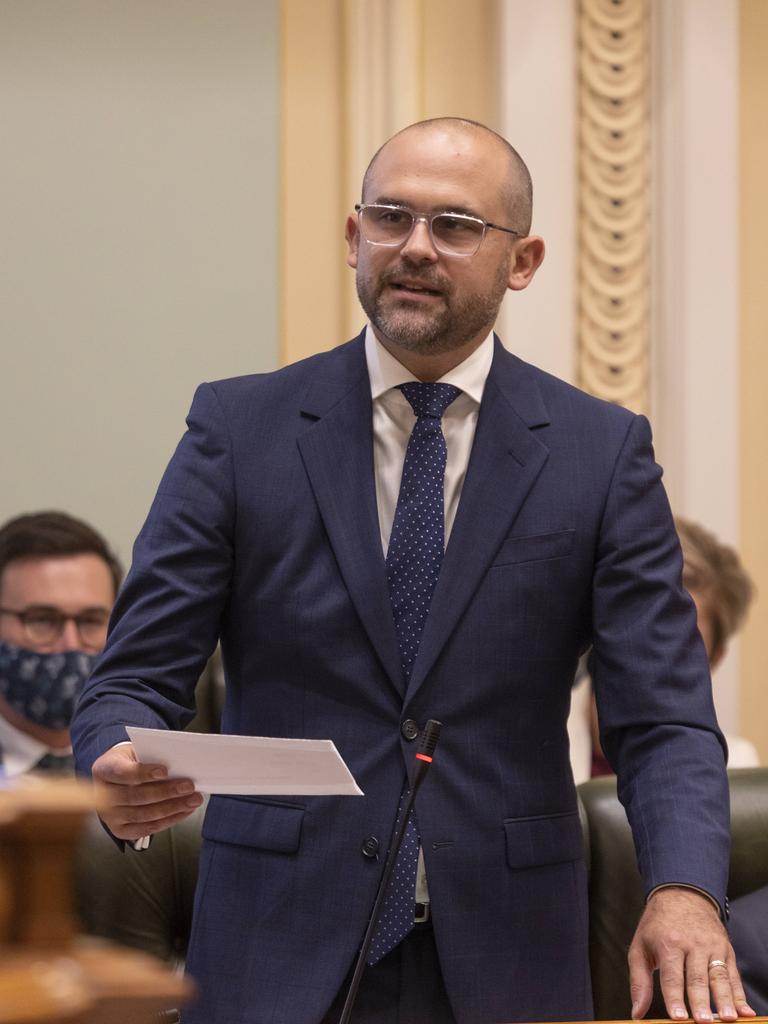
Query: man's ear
x=527, y=257
x=352, y=235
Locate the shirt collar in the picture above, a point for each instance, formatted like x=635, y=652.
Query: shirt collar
x=20, y=751
x=385, y=372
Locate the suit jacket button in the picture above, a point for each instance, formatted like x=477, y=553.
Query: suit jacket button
x=370, y=847
x=410, y=729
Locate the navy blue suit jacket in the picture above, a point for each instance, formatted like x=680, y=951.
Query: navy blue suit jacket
x=264, y=532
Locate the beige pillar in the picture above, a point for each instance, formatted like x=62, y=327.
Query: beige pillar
x=754, y=363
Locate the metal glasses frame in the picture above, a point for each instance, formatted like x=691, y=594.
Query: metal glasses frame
x=428, y=219
x=58, y=622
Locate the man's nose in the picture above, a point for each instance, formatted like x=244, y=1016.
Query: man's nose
x=70, y=637
x=418, y=247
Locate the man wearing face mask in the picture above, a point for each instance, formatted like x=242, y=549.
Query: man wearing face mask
x=58, y=581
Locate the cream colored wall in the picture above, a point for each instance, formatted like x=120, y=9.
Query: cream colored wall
x=138, y=171
x=313, y=273
x=536, y=45
x=695, y=279
x=754, y=362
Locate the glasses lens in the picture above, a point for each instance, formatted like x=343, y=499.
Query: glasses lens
x=92, y=629
x=43, y=627
x=460, y=235
x=386, y=225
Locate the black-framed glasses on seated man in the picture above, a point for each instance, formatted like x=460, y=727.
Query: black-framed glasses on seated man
x=453, y=234
x=43, y=625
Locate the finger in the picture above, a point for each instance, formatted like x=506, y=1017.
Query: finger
x=739, y=995
x=720, y=987
x=122, y=795
x=698, y=977
x=671, y=978
x=144, y=814
x=120, y=765
x=133, y=832
x=640, y=981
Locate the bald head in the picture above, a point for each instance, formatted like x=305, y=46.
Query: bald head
x=518, y=188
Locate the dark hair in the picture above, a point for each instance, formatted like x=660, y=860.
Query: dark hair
x=714, y=571
x=54, y=535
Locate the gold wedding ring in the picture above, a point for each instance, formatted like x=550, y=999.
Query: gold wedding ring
x=717, y=963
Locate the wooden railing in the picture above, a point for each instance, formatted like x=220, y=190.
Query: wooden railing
x=49, y=974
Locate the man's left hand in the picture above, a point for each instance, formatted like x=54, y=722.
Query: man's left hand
x=681, y=935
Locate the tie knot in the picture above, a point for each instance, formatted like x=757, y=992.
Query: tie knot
x=429, y=399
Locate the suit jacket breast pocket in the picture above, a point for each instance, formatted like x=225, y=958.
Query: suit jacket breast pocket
x=263, y=824
x=539, y=548
x=543, y=839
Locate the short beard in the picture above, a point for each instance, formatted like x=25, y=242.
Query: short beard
x=445, y=330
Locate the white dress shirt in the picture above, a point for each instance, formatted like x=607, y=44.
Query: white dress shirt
x=21, y=752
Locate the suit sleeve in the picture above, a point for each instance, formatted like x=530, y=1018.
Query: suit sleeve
x=652, y=684
x=165, y=623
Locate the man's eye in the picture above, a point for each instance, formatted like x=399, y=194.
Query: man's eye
x=94, y=621
x=392, y=216
x=456, y=225
x=43, y=621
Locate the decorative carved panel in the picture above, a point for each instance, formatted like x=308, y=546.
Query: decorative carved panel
x=614, y=200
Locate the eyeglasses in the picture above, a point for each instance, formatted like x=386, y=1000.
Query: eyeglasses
x=45, y=625
x=453, y=234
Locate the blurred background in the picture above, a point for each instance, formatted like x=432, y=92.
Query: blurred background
x=175, y=174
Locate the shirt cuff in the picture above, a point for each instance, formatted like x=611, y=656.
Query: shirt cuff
x=693, y=888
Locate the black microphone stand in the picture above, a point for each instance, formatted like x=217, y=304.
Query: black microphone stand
x=424, y=754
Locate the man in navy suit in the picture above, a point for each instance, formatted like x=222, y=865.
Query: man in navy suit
x=271, y=530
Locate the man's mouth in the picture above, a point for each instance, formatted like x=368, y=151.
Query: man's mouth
x=413, y=288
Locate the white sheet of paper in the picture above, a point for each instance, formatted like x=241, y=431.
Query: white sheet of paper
x=247, y=765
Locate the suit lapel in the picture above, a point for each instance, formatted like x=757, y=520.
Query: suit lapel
x=506, y=459
x=337, y=451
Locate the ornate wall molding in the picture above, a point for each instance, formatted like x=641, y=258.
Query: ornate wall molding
x=614, y=135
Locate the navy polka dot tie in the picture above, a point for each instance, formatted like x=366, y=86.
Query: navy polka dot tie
x=413, y=564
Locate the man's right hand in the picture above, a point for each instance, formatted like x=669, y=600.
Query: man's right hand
x=143, y=800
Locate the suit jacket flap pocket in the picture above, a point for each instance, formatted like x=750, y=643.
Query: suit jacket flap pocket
x=247, y=822
x=535, y=548
x=548, y=839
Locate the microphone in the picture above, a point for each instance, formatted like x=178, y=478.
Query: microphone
x=424, y=756
x=425, y=752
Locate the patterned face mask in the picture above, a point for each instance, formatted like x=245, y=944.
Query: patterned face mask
x=43, y=687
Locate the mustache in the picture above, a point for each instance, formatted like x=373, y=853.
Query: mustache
x=431, y=279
